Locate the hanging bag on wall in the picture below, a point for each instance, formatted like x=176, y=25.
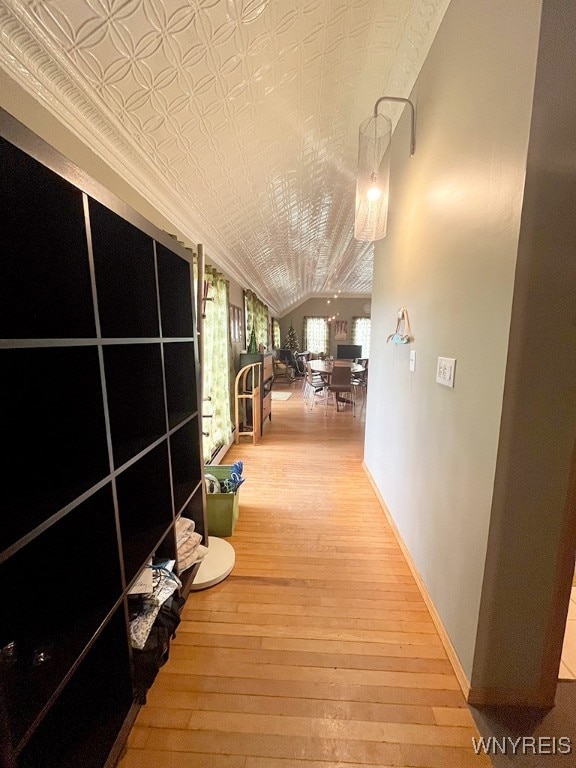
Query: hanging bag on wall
x=402, y=334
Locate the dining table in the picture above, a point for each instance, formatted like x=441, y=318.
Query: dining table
x=325, y=367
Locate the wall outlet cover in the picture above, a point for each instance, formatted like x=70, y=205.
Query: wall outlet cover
x=445, y=371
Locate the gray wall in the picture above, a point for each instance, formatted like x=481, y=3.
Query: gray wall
x=347, y=309
x=530, y=563
x=450, y=257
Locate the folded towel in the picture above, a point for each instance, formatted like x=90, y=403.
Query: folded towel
x=184, y=526
x=190, y=544
x=186, y=563
x=184, y=529
x=184, y=523
x=197, y=554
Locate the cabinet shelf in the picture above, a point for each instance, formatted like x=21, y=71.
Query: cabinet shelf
x=180, y=370
x=43, y=238
x=41, y=624
x=186, y=462
x=125, y=276
x=175, y=294
x=135, y=398
x=81, y=729
x=144, y=507
x=101, y=424
x=55, y=429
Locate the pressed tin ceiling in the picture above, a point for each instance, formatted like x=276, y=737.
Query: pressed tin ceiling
x=237, y=119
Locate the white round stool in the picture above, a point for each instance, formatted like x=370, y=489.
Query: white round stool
x=217, y=564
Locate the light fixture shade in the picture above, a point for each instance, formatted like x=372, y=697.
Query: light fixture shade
x=373, y=179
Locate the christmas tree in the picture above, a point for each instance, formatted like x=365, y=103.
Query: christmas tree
x=252, y=346
x=291, y=340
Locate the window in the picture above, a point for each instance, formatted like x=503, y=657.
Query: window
x=276, y=339
x=316, y=334
x=235, y=323
x=361, y=334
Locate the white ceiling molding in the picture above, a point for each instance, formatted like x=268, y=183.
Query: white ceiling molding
x=236, y=119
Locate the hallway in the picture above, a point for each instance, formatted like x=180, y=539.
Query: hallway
x=318, y=650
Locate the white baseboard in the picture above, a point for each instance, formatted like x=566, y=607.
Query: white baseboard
x=222, y=453
x=444, y=637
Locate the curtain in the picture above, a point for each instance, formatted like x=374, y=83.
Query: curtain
x=216, y=370
x=256, y=317
x=361, y=333
x=276, y=337
x=316, y=335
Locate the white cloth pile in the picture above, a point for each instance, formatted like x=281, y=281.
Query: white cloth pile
x=190, y=550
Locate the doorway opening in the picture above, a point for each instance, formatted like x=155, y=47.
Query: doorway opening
x=568, y=662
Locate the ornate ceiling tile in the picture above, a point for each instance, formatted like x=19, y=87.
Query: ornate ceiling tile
x=237, y=118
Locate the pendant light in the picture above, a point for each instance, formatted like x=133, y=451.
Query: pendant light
x=373, y=174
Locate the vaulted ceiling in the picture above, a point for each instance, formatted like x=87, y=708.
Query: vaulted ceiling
x=236, y=119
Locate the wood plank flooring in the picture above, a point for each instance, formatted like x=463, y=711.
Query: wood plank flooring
x=318, y=650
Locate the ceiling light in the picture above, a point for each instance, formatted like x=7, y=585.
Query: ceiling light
x=373, y=174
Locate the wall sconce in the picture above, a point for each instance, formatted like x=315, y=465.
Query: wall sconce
x=373, y=175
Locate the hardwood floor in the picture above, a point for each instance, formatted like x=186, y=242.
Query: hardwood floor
x=318, y=650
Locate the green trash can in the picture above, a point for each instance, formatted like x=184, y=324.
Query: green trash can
x=222, y=509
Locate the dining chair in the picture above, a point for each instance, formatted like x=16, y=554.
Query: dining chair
x=341, y=383
x=299, y=369
x=360, y=380
x=282, y=370
x=314, y=385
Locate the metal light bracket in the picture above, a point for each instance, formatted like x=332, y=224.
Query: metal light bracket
x=412, y=117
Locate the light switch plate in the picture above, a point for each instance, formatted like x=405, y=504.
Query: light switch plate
x=445, y=371
x=413, y=360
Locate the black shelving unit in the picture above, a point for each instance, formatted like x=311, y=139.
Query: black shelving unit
x=99, y=385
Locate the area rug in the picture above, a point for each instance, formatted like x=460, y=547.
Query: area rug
x=281, y=395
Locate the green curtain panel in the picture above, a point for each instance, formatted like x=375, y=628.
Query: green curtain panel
x=256, y=317
x=216, y=371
